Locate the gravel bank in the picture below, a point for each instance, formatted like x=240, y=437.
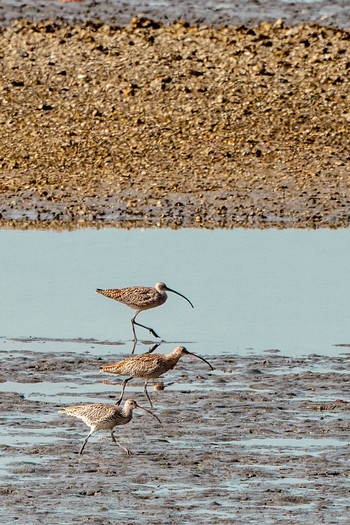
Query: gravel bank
x=151, y=125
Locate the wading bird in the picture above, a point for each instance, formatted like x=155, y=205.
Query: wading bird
x=148, y=366
x=141, y=298
x=99, y=416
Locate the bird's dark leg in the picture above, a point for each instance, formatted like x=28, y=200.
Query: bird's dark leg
x=121, y=446
x=133, y=329
x=149, y=399
x=133, y=347
x=133, y=322
x=151, y=331
x=85, y=441
x=123, y=388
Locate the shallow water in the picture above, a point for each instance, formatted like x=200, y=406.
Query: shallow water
x=253, y=291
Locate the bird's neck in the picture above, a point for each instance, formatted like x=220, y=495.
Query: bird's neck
x=173, y=358
x=163, y=295
x=127, y=412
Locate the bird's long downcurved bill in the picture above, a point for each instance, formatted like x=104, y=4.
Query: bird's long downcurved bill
x=145, y=410
x=202, y=358
x=180, y=294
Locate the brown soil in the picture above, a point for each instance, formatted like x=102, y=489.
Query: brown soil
x=174, y=125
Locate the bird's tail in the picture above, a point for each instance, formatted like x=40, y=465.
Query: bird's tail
x=112, y=293
x=109, y=368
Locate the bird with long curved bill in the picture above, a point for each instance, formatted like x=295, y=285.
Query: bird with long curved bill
x=148, y=366
x=100, y=416
x=141, y=298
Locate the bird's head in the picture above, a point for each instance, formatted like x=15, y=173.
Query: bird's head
x=131, y=404
x=162, y=287
x=181, y=350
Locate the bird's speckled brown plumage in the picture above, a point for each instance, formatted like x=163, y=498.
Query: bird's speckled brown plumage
x=100, y=416
x=147, y=366
x=140, y=298
x=136, y=297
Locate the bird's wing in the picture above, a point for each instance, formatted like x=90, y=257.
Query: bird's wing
x=86, y=413
x=141, y=296
x=134, y=296
x=136, y=366
x=148, y=364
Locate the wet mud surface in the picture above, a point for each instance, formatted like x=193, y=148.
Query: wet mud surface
x=207, y=12
x=175, y=126
x=262, y=439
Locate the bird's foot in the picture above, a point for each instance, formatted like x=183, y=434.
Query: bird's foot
x=152, y=332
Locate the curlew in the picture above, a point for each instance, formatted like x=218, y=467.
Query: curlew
x=141, y=298
x=99, y=416
x=148, y=366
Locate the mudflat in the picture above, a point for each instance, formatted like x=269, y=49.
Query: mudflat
x=262, y=438
x=153, y=125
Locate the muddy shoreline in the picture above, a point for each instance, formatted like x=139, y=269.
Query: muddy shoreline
x=206, y=12
x=174, y=126
x=260, y=438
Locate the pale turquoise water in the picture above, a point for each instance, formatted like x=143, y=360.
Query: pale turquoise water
x=252, y=290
